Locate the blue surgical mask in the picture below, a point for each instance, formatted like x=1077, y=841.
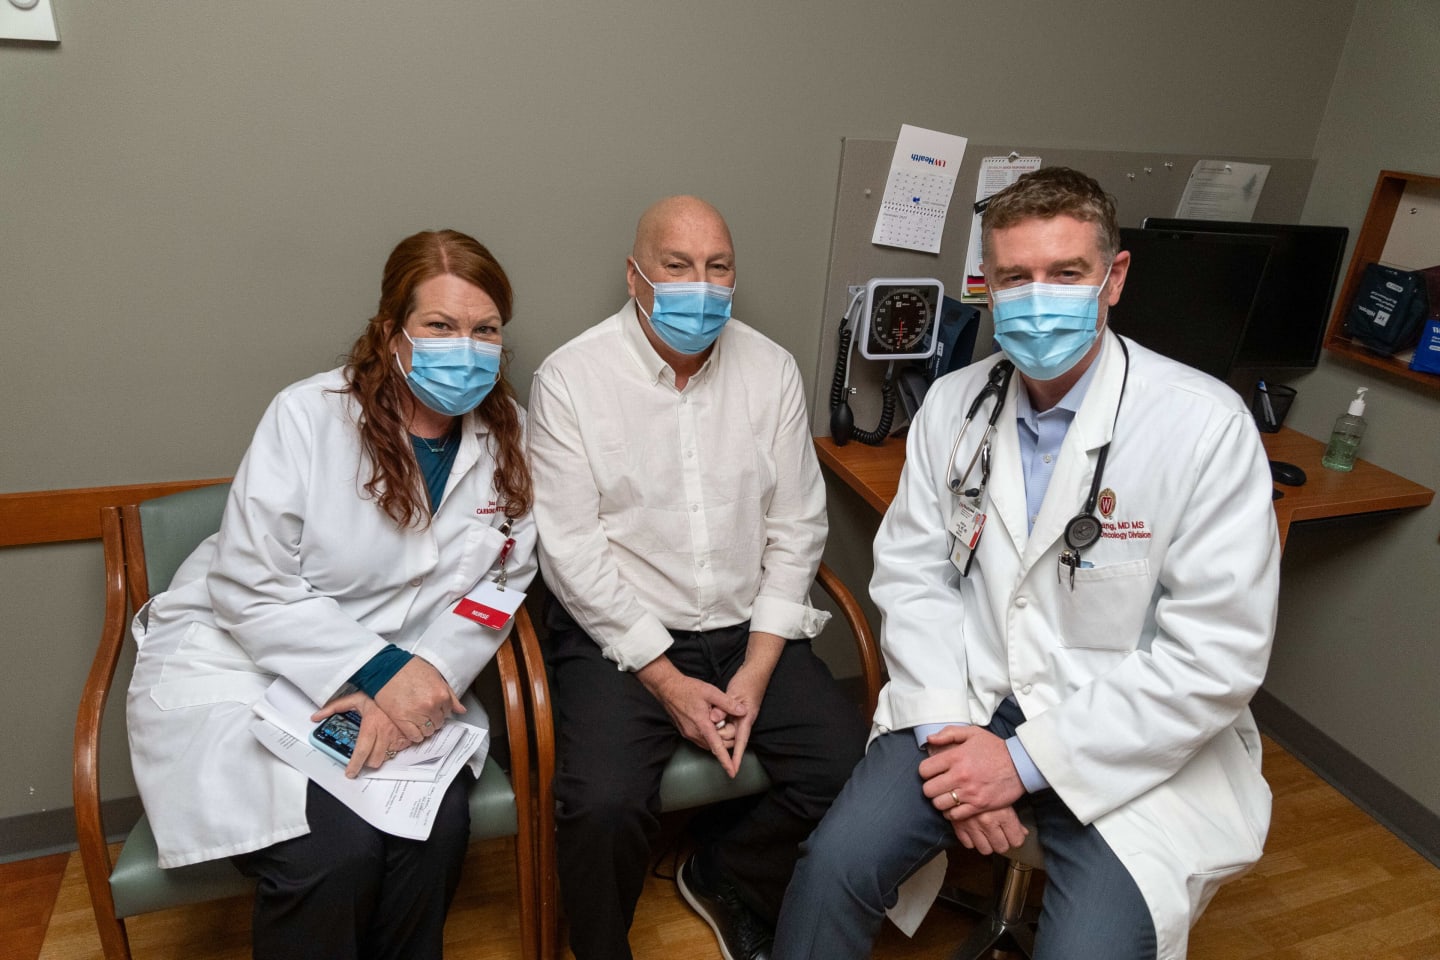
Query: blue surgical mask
x=1045, y=328
x=451, y=375
x=688, y=316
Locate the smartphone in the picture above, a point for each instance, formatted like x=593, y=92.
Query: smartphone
x=336, y=735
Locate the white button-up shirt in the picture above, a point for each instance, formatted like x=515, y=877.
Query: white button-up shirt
x=661, y=509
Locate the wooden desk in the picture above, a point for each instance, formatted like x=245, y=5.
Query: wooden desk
x=874, y=473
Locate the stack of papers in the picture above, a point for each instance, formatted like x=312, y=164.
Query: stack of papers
x=400, y=797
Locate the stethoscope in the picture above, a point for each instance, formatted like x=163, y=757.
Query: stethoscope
x=1084, y=529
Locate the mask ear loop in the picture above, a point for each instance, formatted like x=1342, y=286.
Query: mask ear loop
x=396, y=354
x=634, y=263
x=984, y=482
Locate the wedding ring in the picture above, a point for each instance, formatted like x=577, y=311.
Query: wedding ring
x=719, y=724
x=955, y=798
x=389, y=754
x=429, y=722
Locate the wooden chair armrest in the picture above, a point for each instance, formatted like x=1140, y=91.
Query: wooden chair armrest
x=89, y=825
x=512, y=693
x=517, y=731
x=860, y=628
x=542, y=732
x=137, y=583
x=541, y=718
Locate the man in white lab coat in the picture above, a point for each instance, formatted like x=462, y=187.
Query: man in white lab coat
x=1078, y=607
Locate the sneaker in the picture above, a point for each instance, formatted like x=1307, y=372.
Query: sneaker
x=742, y=935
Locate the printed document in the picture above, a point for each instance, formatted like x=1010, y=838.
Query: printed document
x=402, y=801
x=1223, y=190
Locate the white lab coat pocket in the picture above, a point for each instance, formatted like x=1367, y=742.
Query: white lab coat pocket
x=1223, y=830
x=1228, y=836
x=1106, y=610
x=208, y=666
x=1186, y=837
x=482, y=546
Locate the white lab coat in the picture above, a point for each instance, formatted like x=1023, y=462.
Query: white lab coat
x=306, y=579
x=1136, y=683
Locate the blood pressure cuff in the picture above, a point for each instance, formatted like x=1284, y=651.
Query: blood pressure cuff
x=955, y=339
x=1388, y=309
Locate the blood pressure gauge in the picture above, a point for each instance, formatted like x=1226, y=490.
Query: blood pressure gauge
x=899, y=318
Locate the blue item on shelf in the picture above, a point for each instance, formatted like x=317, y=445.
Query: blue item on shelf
x=1427, y=351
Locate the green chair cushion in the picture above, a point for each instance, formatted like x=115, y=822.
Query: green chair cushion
x=693, y=778
x=139, y=885
x=174, y=525
x=492, y=804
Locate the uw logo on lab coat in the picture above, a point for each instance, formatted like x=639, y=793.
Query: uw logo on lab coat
x=1106, y=503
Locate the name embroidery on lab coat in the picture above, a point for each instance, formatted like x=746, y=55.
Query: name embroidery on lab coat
x=1113, y=529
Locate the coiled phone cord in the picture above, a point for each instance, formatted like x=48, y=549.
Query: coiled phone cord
x=842, y=419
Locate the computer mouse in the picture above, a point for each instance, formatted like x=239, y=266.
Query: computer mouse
x=1286, y=473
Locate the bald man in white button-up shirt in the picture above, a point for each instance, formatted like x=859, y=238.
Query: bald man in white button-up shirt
x=682, y=516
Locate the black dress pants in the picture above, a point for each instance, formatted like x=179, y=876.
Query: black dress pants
x=614, y=739
x=347, y=891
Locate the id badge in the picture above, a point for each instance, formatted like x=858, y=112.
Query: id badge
x=967, y=522
x=490, y=604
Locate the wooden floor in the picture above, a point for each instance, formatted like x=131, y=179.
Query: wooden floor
x=1333, y=884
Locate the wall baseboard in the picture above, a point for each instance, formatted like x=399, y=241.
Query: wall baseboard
x=1396, y=810
x=53, y=831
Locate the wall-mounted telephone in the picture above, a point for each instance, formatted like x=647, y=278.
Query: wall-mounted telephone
x=897, y=320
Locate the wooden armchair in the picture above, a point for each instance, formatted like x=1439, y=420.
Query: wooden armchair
x=692, y=778
x=144, y=544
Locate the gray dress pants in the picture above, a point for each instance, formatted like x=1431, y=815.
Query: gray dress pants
x=882, y=828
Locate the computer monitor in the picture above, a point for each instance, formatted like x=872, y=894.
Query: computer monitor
x=1292, y=310
x=1189, y=294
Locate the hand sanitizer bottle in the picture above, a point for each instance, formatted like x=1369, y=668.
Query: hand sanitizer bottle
x=1345, y=438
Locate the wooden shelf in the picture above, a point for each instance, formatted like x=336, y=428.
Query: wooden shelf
x=1370, y=247
x=874, y=473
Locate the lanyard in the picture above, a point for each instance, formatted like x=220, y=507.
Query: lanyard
x=502, y=577
x=967, y=519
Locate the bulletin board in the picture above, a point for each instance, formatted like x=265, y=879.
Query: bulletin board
x=1143, y=185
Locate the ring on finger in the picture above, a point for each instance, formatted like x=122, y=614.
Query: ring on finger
x=954, y=797
x=429, y=723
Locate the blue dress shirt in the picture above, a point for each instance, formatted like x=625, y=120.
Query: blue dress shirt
x=1041, y=433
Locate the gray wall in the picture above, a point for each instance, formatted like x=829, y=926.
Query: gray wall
x=1356, y=651
x=196, y=200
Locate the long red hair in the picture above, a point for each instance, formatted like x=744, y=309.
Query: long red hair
x=376, y=382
